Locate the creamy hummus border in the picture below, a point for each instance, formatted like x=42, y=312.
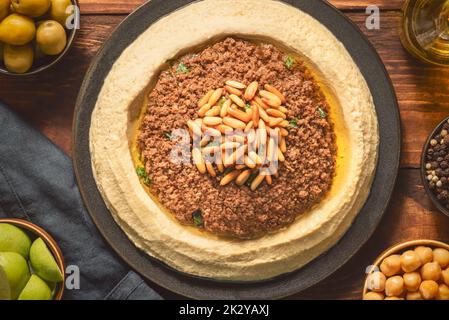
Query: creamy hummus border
x=183, y=248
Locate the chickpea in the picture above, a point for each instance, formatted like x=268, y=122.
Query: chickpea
x=428, y=289
x=443, y=292
x=425, y=254
x=412, y=280
x=410, y=261
x=445, y=275
x=394, y=286
x=373, y=296
x=431, y=271
x=391, y=265
x=414, y=296
x=376, y=281
x=441, y=256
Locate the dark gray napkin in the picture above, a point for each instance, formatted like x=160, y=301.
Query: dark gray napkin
x=37, y=184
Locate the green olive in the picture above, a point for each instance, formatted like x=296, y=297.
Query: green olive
x=60, y=10
x=425, y=254
x=17, y=30
x=431, y=271
x=394, y=286
x=4, y=9
x=31, y=8
x=391, y=265
x=410, y=261
x=428, y=289
x=441, y=256
x=373, y=296
x=18, y=59
x=413, y=296
x=51, y=37
x=445, y=275
x=376, y=281
x=412, y=280
x=443, y=292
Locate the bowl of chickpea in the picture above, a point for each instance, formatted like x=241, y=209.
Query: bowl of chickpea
x=413, y=270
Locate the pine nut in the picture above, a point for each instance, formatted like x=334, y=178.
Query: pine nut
x=235, y=138
x=224, y=129
x=243, y=177
x=270, y=98
x=284, y=132
x=198, y=160
x=274, y=122
x=195, y=128
x=256, y=114
x=220, y=167
x=205, y=141
x=215, y=111
x=261, y=103
x=230, y=145
x=248, y=127
x=280, y=155
x=215, y=96
x=275, y=91
x=237, y=101
x=235, y=84
x=251, y=90
x=276, y=113
x=210, y=169
x=229, y=177
x=205, y=108
x=249, y=162
x=255, y=158
x=265, y=117
x=240, y=167
x=240, y=115
x=284, y=124
x=257, y=181
x=269, y=180
x=284, y=110
x=211, y=131
x=205, y=99
x=234, y=123
x=283, y=145
x=212, y=121
x=232, y=90
x=210, y=150
x=224, y=108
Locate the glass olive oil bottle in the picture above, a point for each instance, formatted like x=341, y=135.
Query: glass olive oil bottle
x=425, y=30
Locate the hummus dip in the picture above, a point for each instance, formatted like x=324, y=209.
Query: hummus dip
x=185, y=248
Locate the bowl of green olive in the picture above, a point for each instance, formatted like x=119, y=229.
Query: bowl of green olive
x=35, y=34
x=413, y=270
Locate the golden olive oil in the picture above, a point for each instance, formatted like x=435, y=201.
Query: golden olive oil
x=425, y=30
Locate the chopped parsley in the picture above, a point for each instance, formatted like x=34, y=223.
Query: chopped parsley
x=322, y=113
x=247, y=106
x=294, y=123
x=289, y=62
x=182, y=68
x=143, y=175
x=197, y=218
x=167, y=135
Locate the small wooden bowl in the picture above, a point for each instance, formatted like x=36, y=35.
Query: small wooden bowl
x=425, y=182
x=399, y=248
x=51, y=244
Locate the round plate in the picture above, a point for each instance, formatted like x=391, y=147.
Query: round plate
x=364, y=225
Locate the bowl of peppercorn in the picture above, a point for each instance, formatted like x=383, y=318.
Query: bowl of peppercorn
x=435, y=166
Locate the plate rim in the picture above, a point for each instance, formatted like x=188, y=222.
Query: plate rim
x=174, y=279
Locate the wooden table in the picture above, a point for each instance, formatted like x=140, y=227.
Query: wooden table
x=47, y=102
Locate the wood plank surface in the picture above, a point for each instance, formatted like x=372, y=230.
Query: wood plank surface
x=47, y=102
x=123, y=7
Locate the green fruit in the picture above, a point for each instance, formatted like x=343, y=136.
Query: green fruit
x=4, y=9
x=17, y=271
x=36, y=289
x=31, y=8
x=17, y=30
x=43, y=262
x=51, y=37
x=18, y=59
x=13, y=239
x=5, y=290
x=60, y=10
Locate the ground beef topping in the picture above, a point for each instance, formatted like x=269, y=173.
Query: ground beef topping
x=235, y=209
